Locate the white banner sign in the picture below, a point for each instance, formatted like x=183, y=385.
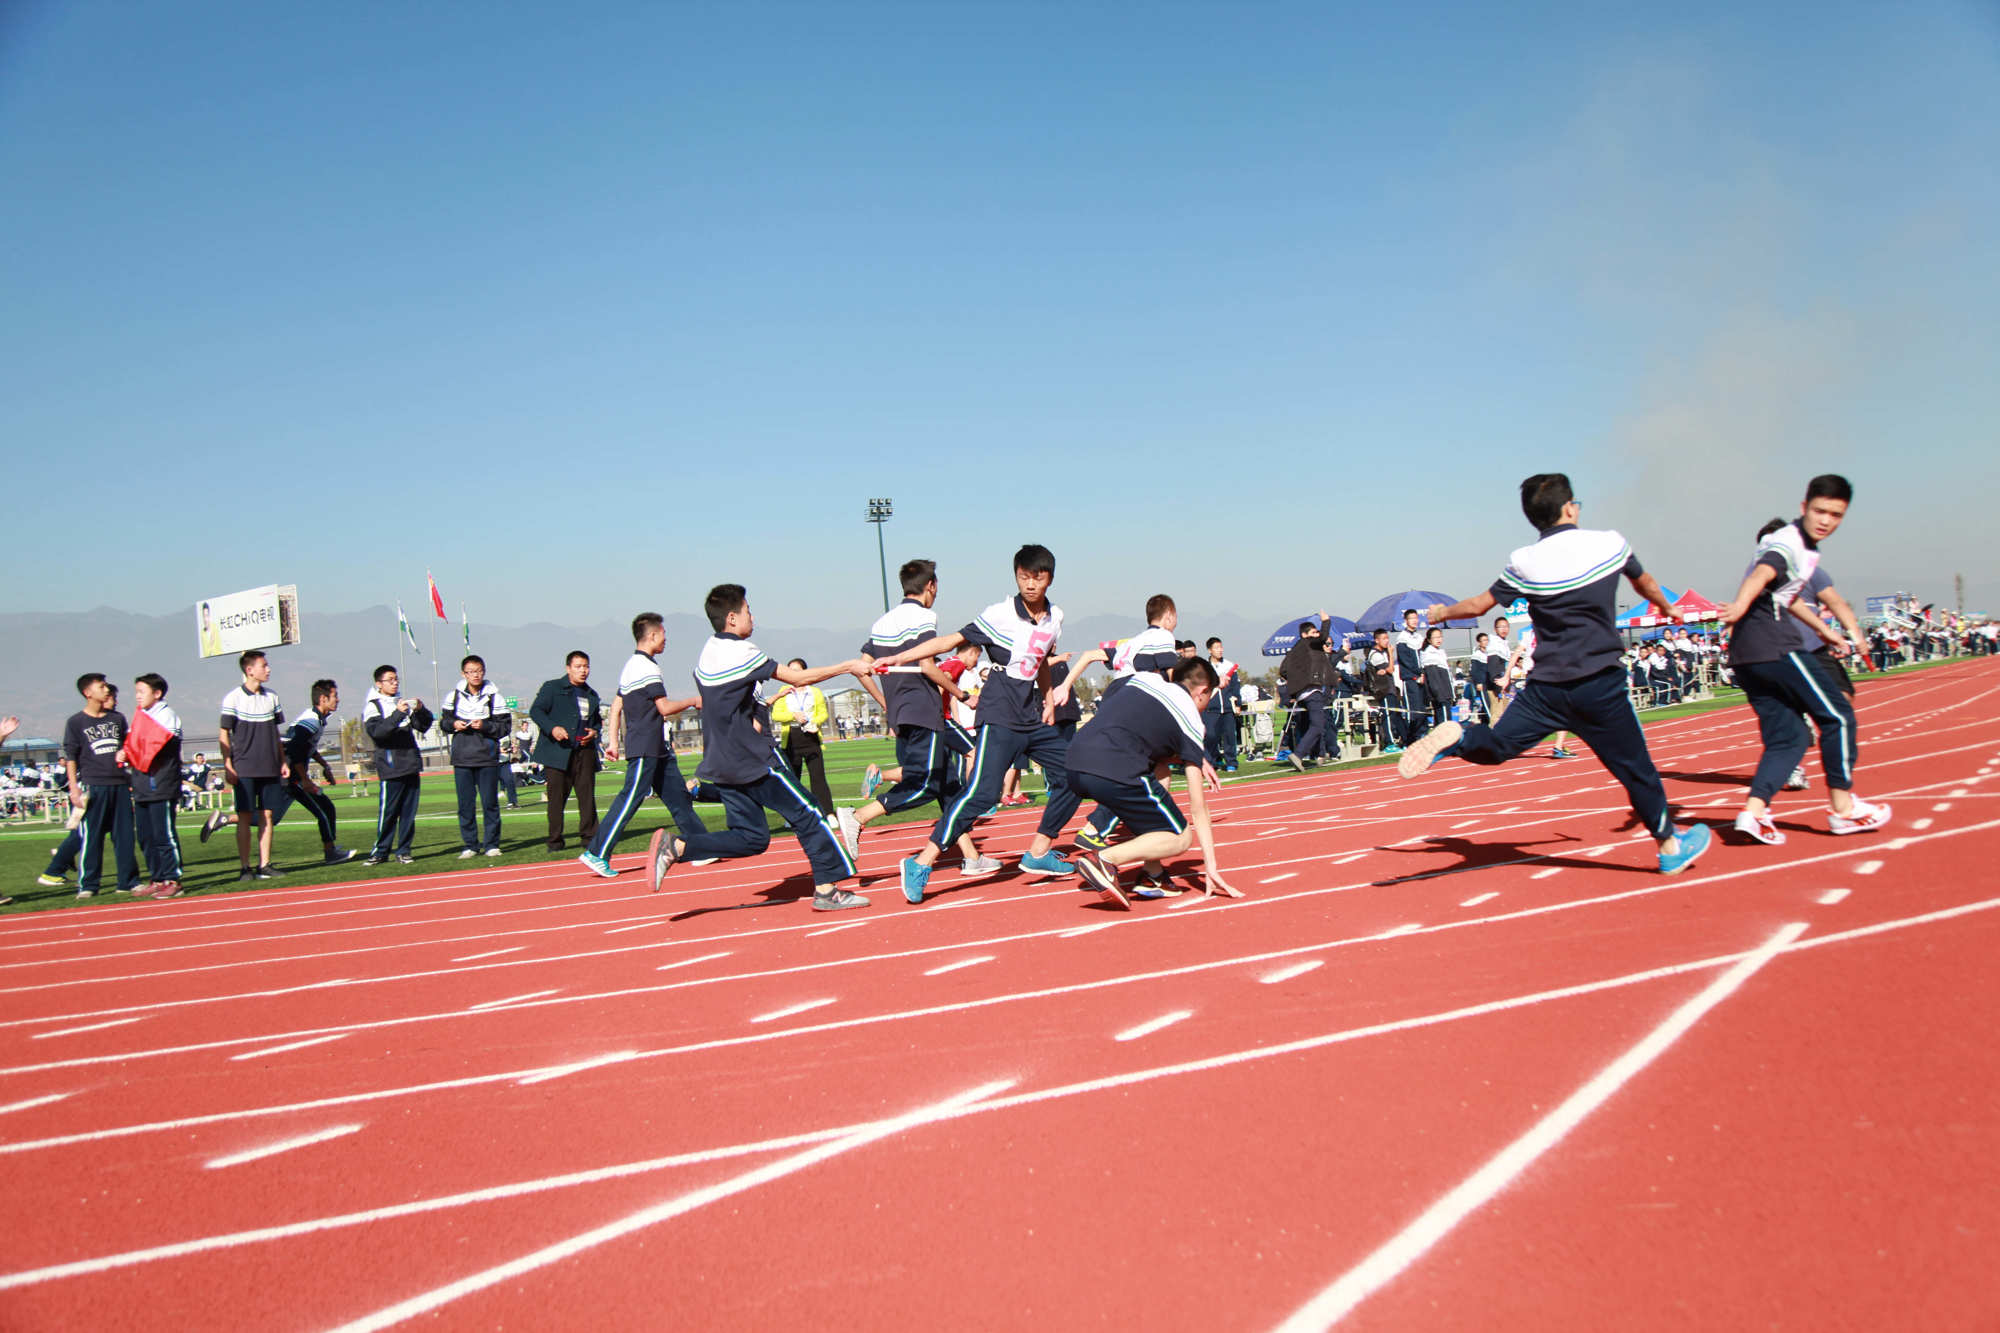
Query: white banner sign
x=258, y=618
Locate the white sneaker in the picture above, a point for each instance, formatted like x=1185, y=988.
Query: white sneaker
x=1760, y=827
x=1421, y=753
x=1798, y=781
x=467, y=854
x=850, y=832
x=1861, y=817
x=493, y=851
x=979, y=865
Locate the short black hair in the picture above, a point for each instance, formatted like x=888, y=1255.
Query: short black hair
x=1481, y=635
x=88, y=679
x=645, y=623
x=1035, y=559
x=1211, y=642
x=575, y=653
x=1498, y=619
x=1158, y=605
x=1770, y=526
x=1409, y=611
x=798, y=662
x=154, y=679
x=469, y=659
x=915, y=576
x=1308, y=627
x=1543, y=497
x=251, y=655
x=385, y=670
x=321, y=689
x=1186, y=672
x=1829, y=486
x=724, y=598
x=1381, y=633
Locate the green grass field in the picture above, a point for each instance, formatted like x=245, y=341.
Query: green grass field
x=25, y=849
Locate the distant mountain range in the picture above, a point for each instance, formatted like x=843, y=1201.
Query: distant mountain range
x=47, y=650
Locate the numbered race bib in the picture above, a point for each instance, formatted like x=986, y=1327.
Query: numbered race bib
x=1027, y=660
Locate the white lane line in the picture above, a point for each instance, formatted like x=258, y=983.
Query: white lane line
x=789, y=1010
x=89, y=1027
x=828, y=930
x=637, y=925
x=957, y=902
x=563, y=1071
x=1272, y=833
x=33, y=1102
x=1151, y=1026
x=1941, y=807
x=273, y=1149
x=1920, y=823
x=1295, y=970
x=1544, y=874
x=1389, y=1261
x=661, y=1212
x=690, y=962
x=1831, y=896
x=1279, y=879
x=1406, y=928
x=490, y=953
x=963, y=962
x=1085, y=930
x=1466, y=823
x=1479, y=898
x=1960, y=791
x=1867, y=867
x=289, y=1046
x=627, y=1170
x=1348, y=859
x=511, y=999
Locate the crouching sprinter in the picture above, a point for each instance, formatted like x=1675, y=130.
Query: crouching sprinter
x=1118, y=760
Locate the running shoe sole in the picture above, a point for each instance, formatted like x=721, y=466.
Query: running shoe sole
x=850, y=832
x=659, y=856
x=1760, y=829
x=1842, y=825
x=1420, y=754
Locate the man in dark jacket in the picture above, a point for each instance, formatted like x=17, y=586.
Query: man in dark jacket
x=394, y=725
x=475, y=720
x=568, y=713
x=1307, y=675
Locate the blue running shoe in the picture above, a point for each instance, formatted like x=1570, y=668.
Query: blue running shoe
x=1694, y=841
x=1282, y=757
x=1048, y=863
x=915, y=876
x=597, y=865
x=871, y=780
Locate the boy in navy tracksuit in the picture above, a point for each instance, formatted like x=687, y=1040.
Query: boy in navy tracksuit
x=156, y=787
x=740, y=763
x=302, y=744
x=1118, y=761
x=1016, y=717
x=93, y=743
x=641, y=710
x=1569, y=578
x=1154, y=651
x=394, y=725
x=475, y=718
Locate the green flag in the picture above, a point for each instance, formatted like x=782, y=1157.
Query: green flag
x=403, y=623
x=465, y=627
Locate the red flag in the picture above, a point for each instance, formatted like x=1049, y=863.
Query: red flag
x=144, y=741
x=437, y=600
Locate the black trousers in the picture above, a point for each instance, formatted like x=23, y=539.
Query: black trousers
x=803, y=753
x=580, y=777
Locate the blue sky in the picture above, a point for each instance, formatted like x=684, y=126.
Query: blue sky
x=1269, y=306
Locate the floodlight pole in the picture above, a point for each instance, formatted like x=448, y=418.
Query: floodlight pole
x=878, y=514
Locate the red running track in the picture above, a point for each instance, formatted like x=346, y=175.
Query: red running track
x=1461, y=1060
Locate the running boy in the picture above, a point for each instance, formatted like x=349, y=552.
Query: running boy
x=1781, y=683
x=1152, y=722
x=302, y=744
x=742, y=765
x=1015, y=718
x=913, y=699
x=1570, y=580
x=643, y=706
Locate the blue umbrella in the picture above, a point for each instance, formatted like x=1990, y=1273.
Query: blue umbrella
x=1287, y=634
x=1388, y=613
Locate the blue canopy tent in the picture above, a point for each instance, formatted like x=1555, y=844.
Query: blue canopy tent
x=1287, y=634
x=1388, y=613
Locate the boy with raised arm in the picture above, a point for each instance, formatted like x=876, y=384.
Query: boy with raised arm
x=742, y=766
x=1569, y=578
x=912, y=699
x=650, y=769
x=1117, y=762
x=1781, y=682
x=1016, y=717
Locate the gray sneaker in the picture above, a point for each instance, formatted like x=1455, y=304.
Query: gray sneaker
x=979, y=865
x=407, y=860
x=837, y=900
x=850, y=832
